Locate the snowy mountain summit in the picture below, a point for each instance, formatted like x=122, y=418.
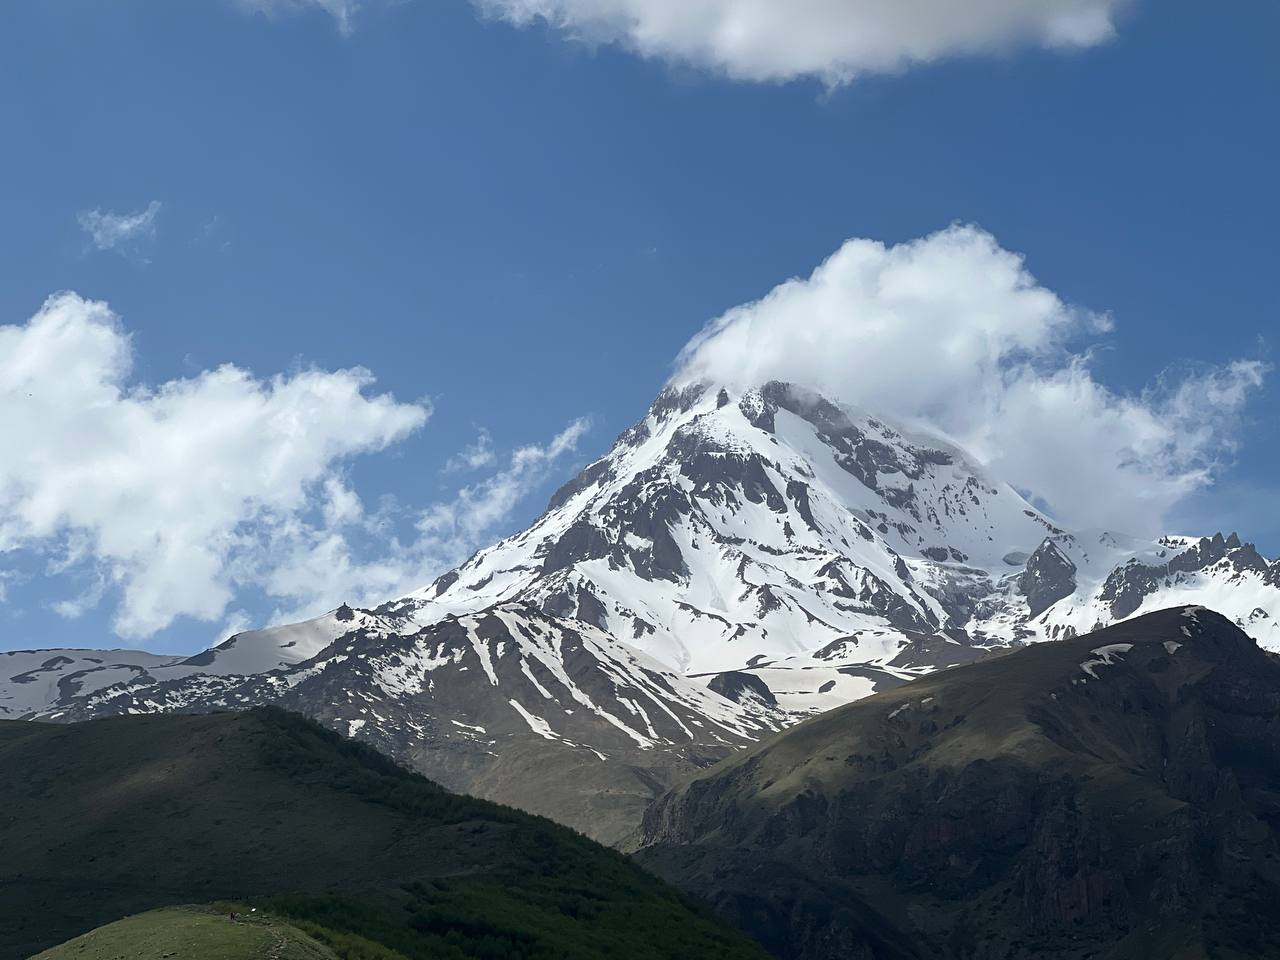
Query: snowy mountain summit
x=726, y=532
x=736, y=561
x=779, y=533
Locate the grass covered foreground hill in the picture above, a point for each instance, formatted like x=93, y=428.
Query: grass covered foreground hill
x=191, y=933
x=110, y=818
x=1114, y=796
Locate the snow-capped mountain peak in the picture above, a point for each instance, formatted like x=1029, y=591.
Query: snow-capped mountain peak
x=723, y=530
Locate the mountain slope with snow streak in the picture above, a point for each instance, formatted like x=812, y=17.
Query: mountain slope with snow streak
x=551, y=715
x=32, y=680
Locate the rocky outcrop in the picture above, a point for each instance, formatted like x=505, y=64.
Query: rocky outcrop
x=745, y=688
x=1130, y=584
x=1049, y=576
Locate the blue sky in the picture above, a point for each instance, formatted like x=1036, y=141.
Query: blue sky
x=521, y=230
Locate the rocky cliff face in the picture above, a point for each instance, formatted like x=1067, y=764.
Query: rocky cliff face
x=1049, y=576
x=1115, y=795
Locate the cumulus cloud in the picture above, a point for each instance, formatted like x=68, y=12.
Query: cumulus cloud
x=119, y=231
x=478, y=508
x=313, y=566
x=479, y=453
x=952, y=332
x=166, y=491
x=833, y=40
x=342, y=11
x=203, y=496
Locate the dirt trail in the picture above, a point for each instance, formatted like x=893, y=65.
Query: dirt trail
x=276, y=951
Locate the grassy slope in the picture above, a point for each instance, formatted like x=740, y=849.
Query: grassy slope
x=114, y=817
x=191, y=933
x=930, y=813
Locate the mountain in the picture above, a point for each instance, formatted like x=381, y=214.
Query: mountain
x=763, y=555
x=1112, y=796
x=719, y=534
x=1078, y=582
x=36, y=680
x=782, y=534
x=112, y=817
x=552, y=715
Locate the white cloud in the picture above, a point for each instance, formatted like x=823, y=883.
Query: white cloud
x=313, y=567
x=833, y=40
x=342, y=11
x=237, y=621
x=119, y=231
x=183, y=499
x=89, y=598
x=478, y=508
x=6, y=577
x=479, y=453
x=170, y=492
x=952, y=331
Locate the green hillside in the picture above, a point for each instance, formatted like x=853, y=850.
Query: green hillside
x=110, y=818
x=191, y=933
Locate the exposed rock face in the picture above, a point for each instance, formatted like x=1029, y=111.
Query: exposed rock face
x=1049, y=576
x=1116, y=795
x=742, y=688
x=1128, y=586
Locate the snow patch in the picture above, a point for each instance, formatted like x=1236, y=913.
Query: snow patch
x=1106, y=657
x=536, y=723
